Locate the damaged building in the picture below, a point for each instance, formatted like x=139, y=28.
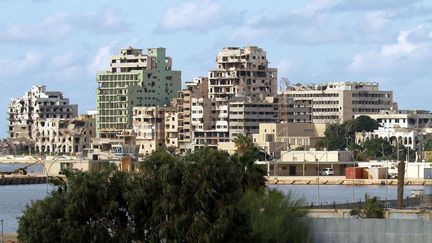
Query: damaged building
x=63, y=136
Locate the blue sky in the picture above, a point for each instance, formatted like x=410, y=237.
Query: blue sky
x=62, y=43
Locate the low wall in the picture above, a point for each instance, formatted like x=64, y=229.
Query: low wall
x=333, y=230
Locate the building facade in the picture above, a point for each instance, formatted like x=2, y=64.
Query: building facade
x=245, y=116
x=276, y=137
x=134, y=79
x=149, y=126
x=242, y=72
x=341, y=101
x=38, y=103
x=63, y=136
x=410, y=128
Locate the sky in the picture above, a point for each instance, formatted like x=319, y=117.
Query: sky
x=62, y=43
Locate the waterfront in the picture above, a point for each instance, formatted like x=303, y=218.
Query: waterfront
x=13, y=199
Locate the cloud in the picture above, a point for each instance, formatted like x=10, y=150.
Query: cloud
x=409, y=55
x=100, y=60
x=192, y=16
x=373, y=5
x=59, y=24
x=11, y=68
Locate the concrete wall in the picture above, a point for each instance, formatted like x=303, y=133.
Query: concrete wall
x=370, y=230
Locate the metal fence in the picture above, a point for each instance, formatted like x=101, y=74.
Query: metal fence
x=334, y=230
x=407, y=202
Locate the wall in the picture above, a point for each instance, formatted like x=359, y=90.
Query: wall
x=370, y=230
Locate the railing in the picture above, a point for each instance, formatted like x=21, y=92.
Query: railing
x=407, y=202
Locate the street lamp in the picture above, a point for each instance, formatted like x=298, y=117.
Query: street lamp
x=318, y=178
x=354, y=160
x=42, y=161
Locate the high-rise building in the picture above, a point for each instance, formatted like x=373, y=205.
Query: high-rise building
x=189, y=102
x=242, y=72
x=38, y=103
x=341, y=101
x=245, y=116
x=149, y=125
x=134, y=79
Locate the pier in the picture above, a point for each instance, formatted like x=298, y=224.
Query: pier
x=22, y=179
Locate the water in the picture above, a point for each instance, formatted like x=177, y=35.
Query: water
x=14, y=198
x=342, y=193
x=7, y=167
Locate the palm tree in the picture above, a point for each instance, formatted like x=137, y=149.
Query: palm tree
x=242, y=143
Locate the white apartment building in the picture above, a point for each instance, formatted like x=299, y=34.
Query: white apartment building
x=38, y=103
x=410, y=128
x=341, y=101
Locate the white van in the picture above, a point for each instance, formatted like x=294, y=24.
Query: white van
x=327, y=172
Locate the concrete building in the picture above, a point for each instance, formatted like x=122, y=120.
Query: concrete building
x=134, y=79
x=38, y=103
x=242, y=72
x=191, y=105
x=245, y=116
x=291, y=110
x=209, y=138
x=341, y=101
x=411, y=128
x=63, y=136
x=275, y=138
x=149, y=126
x=171, y=129
x=310, y=162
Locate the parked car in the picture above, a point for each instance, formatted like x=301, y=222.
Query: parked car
x=327, y=172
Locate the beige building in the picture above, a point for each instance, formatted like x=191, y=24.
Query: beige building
x=63, y=136
x=171, y=129
x=149, y=125
x=242, y=72
x=311, y=162
x=275, y=138
x=192, y=99
x=341, y=101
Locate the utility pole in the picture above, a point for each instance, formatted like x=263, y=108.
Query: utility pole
x=400, y=184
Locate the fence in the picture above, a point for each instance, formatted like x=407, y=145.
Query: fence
x=407, y=202
x=333, y=230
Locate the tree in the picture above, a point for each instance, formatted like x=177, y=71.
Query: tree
x=378, y=148
x=362, y=124
x=339, y=136
x=242, y=143
x=428, y=145
x=371, y=209
x=194, y=198
x=276, y=217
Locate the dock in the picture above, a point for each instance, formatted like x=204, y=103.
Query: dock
x=22, y=179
